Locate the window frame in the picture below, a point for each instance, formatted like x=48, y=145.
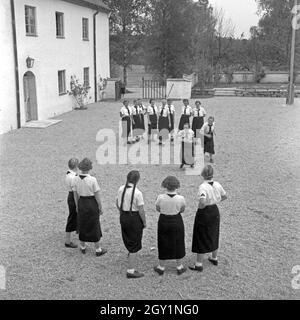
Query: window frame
x=29, y=25
x=60, y=23
x=85, y=29
x=62, y=82
x=86, y=84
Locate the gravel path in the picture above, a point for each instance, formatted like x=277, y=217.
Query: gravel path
x=257, y=162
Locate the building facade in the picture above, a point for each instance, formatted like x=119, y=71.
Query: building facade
x=43, y=44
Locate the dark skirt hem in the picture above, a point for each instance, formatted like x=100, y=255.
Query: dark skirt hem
x=184, y=119
x=170, y=237
x=206, y=230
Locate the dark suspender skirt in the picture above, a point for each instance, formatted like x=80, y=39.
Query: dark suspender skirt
x=163, y=127
x=197, y=125
x=187, y=153
x=88, y=219
x=206, y=230
x=183, y=119
x=126, y=126
x=153, y=123
x=72, y=218
x=132, y=230
x=170, y=237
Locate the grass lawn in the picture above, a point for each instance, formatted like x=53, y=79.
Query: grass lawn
x=257, y=162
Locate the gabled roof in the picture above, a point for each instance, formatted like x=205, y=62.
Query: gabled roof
x=93, y=4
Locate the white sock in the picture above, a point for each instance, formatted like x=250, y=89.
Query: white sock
x=160, y=267
x=99, y=250
x=180, y=267
x=131, y=271
x=82, y=248
x=214, y=258
x=198, y=264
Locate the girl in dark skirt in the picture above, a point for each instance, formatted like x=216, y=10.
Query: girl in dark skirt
x=170, y=230
x=72, y=218
x=185, y=115
x=138, y=125
x=198, y=119
x=152, y=113
x=143, y=112
x=130, y=203
x=89, y=208
x=126, y=117
x=187, y=146
x=172, y=118
x=163, y=122
x=207, y=220
x=209, y=146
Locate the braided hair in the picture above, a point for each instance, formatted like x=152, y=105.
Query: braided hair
x=132, y=177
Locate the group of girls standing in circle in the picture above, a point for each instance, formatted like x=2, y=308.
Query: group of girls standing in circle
x=85, y=209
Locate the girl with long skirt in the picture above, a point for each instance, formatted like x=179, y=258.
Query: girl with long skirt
x=126, y=118
x=163, y=122
x=170, y=230
x=152, y=112
x=172, y=118
x=89, y=208
x=130, y=204
x=187, y=152
x=207, y=220
x=138, y=125
x=185, y=114
x=209, y=145
x=198, y=119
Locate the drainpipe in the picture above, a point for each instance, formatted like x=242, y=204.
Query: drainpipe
x=95, y=54
x=13, y=21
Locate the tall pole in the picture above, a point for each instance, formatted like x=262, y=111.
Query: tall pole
x=291, y=89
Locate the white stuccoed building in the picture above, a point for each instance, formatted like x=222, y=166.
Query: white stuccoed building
x=43, y=43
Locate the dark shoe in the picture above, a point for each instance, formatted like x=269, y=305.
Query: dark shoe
x=159, y=271
x=196, y=268
x=129, y=142
x=101, y=253
x=134, y=275
x=181, y=271
x=83, y=251
x=71, y=245
x=214, y=262
x=192, y=165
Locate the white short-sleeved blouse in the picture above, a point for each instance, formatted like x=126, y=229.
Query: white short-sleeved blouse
x=85, y=185
x=138, y=199
x=211, y=193
x=170, y=204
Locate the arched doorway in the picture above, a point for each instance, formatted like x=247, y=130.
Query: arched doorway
x=30, y=96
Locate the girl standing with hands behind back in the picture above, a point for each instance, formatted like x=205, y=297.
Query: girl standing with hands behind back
x=130, y=204
x=170, y=230
x=207, y=221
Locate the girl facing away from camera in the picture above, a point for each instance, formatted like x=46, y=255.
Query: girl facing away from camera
x=170, y=229
x=130, y=204
x=87, y=198
x=207, y=220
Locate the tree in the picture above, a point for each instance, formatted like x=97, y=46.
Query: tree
x=128, y=25
x=274, y=32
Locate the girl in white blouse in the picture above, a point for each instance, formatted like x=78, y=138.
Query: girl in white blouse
x=170, y=230
x=207, y=220
x=126, y=118
x=198, y=118
x=89, y=207
x=152, y=112
x=186, y=113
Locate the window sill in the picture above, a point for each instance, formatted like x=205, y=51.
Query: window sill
x=60, y=37
x=85, y=39
x=62, y=94
x=31, y=35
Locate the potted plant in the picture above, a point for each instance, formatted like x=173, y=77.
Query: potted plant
x=79, y=92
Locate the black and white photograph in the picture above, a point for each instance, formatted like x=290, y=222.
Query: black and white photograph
x=150, y=151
